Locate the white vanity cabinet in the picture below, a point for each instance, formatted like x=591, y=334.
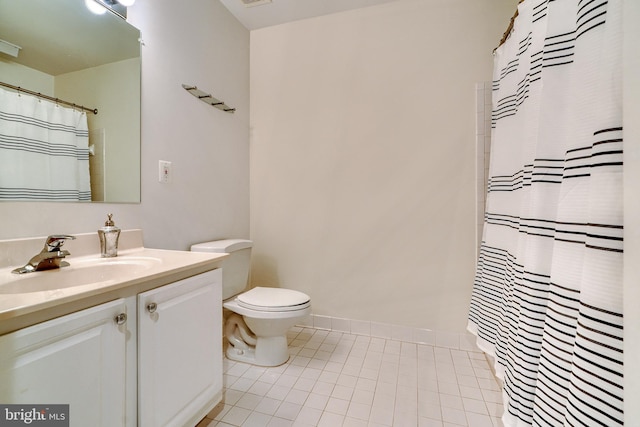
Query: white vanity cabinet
x=180, y=351
x=147, y=359
x=78, y=359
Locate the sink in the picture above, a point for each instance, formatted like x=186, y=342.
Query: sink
x=81, y=272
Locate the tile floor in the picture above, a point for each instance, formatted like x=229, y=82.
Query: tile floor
x=338, y=379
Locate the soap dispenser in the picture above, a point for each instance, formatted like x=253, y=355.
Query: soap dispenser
x=109, y=235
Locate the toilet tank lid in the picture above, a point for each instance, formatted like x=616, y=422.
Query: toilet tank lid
x=222, y=246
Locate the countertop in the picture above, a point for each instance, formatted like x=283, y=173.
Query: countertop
x=137, y=269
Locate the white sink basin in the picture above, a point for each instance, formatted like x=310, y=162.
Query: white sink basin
x=81, y=272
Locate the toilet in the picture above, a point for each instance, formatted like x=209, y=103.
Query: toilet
x=256, y=329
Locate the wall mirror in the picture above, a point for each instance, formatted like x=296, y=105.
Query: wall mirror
x=69, y=53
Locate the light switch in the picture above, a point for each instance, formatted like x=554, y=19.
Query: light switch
x=164, y=171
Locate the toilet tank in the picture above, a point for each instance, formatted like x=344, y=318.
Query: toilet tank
x=235, y=268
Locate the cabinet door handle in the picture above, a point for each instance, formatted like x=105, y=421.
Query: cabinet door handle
x=152, y=307
x=121, y=318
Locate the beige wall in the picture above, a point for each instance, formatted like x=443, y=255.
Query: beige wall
x=209, y=196
x=363, y=157
x=118, y=104
x=28, y=78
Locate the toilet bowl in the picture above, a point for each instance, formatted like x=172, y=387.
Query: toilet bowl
x=256, y=329
x=268, y=313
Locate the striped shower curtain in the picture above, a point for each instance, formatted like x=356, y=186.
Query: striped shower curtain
x=547, y=298
x=44, y=153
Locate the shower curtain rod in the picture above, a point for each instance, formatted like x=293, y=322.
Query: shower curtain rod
x=506, y=34
x=50, y=98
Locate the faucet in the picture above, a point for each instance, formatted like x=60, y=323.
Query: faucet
x=50, y=257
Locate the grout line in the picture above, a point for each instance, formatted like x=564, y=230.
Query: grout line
x=336, y=378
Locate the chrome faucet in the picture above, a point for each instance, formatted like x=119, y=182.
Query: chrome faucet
x=50, y=257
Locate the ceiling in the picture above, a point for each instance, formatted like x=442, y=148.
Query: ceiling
x=61, y=36
x=281, y=11
x=89, y=40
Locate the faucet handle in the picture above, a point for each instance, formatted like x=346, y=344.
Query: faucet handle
x=55, y=241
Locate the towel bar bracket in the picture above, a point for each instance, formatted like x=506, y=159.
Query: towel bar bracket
x=208, y=98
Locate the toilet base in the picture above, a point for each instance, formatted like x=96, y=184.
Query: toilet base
x=268, y=351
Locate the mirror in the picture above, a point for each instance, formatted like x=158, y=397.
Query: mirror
x=69, y=53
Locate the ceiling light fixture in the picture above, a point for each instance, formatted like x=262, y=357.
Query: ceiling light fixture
x=96, y=6
x=99, y=7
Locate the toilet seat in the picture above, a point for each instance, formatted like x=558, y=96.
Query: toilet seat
x=273, y=299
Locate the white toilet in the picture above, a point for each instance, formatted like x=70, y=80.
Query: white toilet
x=257, y=328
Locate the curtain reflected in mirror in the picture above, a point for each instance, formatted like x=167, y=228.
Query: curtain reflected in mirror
x=44, y=150
x=66, y=52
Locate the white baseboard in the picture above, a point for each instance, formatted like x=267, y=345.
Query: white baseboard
x=458, y=341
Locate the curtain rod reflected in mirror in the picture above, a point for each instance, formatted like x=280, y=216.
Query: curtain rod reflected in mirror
x=50, y=98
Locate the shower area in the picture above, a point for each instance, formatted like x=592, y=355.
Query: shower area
x=547, y=298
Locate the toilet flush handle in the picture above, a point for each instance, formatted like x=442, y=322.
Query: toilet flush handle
x=152, y=307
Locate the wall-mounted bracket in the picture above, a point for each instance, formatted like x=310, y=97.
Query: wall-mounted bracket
x=208, y=98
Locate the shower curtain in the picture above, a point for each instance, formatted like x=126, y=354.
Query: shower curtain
x=547, y=297
x=44, y=153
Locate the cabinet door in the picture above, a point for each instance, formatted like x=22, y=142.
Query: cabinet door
x=77, y=359
x=180, y=351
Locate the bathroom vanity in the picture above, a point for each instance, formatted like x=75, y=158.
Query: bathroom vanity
x=125, y=341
